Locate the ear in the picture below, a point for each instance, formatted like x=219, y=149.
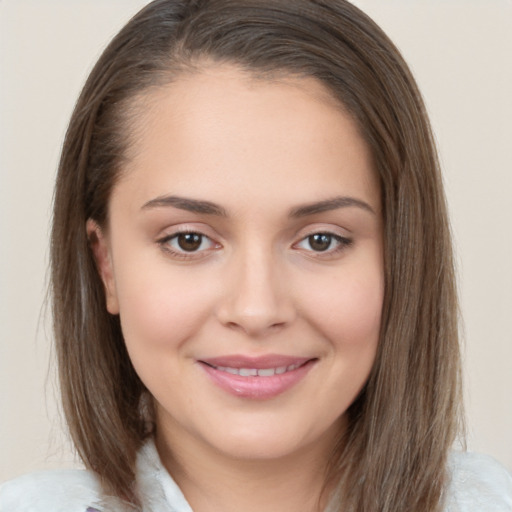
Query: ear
x=102, y=255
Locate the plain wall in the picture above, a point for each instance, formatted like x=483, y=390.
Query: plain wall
x=461, y=54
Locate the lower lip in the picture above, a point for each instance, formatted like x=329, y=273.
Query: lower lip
x=257, y=388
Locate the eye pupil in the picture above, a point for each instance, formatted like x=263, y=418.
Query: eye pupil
x=189, y=241
x=320, y=241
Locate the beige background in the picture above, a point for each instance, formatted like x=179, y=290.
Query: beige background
x=461, y=52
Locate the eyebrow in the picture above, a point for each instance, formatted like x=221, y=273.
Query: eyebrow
x=330, y=204
x=184, y=203
x=209, y=208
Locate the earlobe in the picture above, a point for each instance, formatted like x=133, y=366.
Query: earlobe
x=102, y=255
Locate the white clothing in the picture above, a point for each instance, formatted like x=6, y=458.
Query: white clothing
x=478, y=484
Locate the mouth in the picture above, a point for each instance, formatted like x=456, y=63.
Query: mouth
x=257, y=378
x=256, y=372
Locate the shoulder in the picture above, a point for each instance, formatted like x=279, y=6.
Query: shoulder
x=55, y=491
x=478, y=482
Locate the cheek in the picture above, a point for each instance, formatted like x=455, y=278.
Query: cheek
x=348, y=316
x=349, y=309
x=161, y=307
x=360, y=304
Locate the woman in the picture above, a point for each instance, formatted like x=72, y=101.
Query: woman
x=252, y=274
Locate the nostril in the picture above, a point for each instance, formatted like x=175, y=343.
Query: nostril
x=254, y=326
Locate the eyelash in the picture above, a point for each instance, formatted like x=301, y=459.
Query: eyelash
x=341, y=242
x=165, y=244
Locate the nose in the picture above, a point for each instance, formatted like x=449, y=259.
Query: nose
x=256, y=298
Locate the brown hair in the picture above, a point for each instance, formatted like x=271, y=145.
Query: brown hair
x=393, y=454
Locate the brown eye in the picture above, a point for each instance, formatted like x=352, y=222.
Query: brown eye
x=189, y=242
x=320, y=241
x=188, y=245
x=325, y=244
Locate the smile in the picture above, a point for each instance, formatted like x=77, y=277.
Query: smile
x=257, y=372
x=260, y=378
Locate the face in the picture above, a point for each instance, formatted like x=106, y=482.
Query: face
x=244, y=257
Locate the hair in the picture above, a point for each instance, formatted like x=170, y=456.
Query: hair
x=393, y=454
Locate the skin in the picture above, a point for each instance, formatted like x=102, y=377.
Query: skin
x=260, y=151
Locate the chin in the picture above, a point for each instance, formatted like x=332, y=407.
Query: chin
x=259, y=448
x=261, y=442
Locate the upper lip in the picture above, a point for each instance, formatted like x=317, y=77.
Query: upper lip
x=257, y=362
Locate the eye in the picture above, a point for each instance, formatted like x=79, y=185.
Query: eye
x=324, y=243
x=187, y=243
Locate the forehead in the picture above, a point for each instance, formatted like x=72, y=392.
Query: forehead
x=224, y=126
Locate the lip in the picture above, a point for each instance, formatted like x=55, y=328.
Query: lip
x=290, y=371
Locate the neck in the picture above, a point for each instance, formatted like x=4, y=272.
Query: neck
x=215, y=482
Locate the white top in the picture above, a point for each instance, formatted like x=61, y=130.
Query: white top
x=478, y=484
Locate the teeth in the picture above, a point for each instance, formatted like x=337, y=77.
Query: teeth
x=262, y=372
x=267, y=372
x=248, y=372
